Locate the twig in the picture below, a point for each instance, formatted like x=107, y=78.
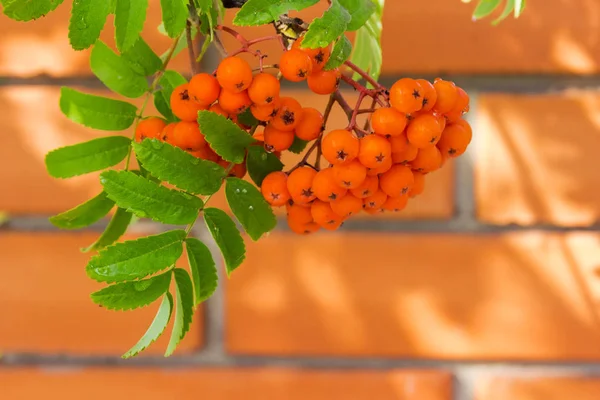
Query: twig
x=190, y=44
x=364, y=75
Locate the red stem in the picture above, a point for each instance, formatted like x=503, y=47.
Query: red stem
x=364, y=75
x=374, y=93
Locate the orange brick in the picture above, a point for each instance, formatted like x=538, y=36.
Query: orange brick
x=225, y=384
x=507, y=296
x=536, y=160
x=44, y=295
x=547, y=388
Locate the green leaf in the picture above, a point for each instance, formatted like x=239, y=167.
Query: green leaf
x=519, y=7
x=26, y=10
x=131, y=295
x=246, y=118
x=298, y=145
x=367, y=52
x=180, y=168
x=135, y=259
x=174, y=16
x=158, y=326
x=168, y=82
x=227, y=237
x=260, y=164
x=485, y=8
x=148, y=199
x=204, y=6
x=340, y=53
x=115, y=72
x=87, y=21
x=204, y=271
x=260, y=12
x=184, y=310
x=360, y=11
x=142, y=59
x=96, y=112
x=84, y=214
x=226, y=138
x=326, y=29
x=82, y=158
x=116, y=228
x=249, y=207
x=129, y=22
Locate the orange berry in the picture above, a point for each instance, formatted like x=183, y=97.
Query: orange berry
x=323, y=215
x=187, y=136
x=395, y=203
x=289, y=114
x=239, y=170
x=204, y=89
x=367, y=188
x=399, y=143
x=295, y=65
x=150, y=128
x=206, y=153
x=373, y=211
x=388, y=121
x=234, y=103
x=300, y=184
x=217, y=109
x=347, y=205
x=397, y=181
x=405, y=156
x=429, y=94
x=302, y=229
x=276, y=140
x=324, y=82
x=375, y=201
x=374, y=151
x=167, y=133
x=350, y=175
x=455, y=140
x=427, y=160
x=274, y=188
x=299, y=213
x=424, y=131
x=447, y=96
x=265, y=112
x=182, y=104
x=419, y=185
x=326, y=187
x=318, y=56
x=234, y=74
x=465, y=125
x=340, y=146
x=264, y=89
x=311, y=124
x=461, y=106
x=406, y=96
x=383, y=167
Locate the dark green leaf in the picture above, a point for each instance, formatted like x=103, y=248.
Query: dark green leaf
x=260, y=12
x=148, y=199
x=246, y=118
x=249, y=207
x=360, y=11
x=174, y=16
x=82, y=158
x=227, y=237
x=116, y=228
x=340, y=53
x=115, y=72
x=260, y=164
x=131, y=295
x=87, y=21
x=180, y=168
x=204, y=271
x=326, y=29
x=168, y=82
x=84, y=214
x=163, y=107
x=26, y=10
x=156, y=329
x=95, y=111
x=184, y=309
x=129, y=22
x=142, y=59
x=298, y=145
x=226, y=138
x=485, y=8
x=135, y=259
x=207, y=21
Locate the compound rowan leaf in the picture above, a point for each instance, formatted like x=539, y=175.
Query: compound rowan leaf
x=260, y=12
x=260, y=164
x=157, y=327
x=84, y=214
x=249, y=207
x=203, y=268
x=227, y=236
x=204, y=6
x=174, y=16
x=26, y=10
x=116, y=73
x=326, y=29
x=360, y=11
x=129, y=22
x=87, y=21
x=82, y=158
x=148, y=199
x=226, y=138
x=131, y=295
x=115, y=229
x=142, y=59
x=340, y=53
x=367, y=52
x=485, y=8
x=168, y=82
x=184, y=310
x=135, y=259
x=180, y=168
x=96, y=112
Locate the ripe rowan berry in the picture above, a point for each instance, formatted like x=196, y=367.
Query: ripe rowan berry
x=399, y=143
x=465, y=125
x=405, y=156
x=234, y=103
x=367, y=188
x=167, y=133
x=323, y=215
x=289, y=114
x=340, y=146
x=150, y=128
x=299, y=213
x=234, y=74
x=318, y=56
x=302, y=229
x=395, y=203
x=310, y=126
x=326, y=187
x=397, y=181
x=295, y=65
x=347, y=205
x=264, y=89
x=455, y=140
x=388, y=122
x=428, y=159
x=276, y=140
x=419, y=185
x=206, y=153
x=460, y=107
x=406, y=96
x=375, y=201
x=384, y=167
x=204, y=89
x=265, y=112
x=182, y=104
x=424, y=131
x=374, y=151
x=373, y=211
x=429, y=94
x=239, y=170
x=217, y=109
x=350, y=175
x=300, y=183
x=187, y=136
x=447, y=95
x=324, y=82
x=274, y=189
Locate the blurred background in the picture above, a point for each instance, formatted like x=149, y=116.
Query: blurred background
x=486, y=287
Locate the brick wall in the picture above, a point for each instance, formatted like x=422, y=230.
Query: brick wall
x=486, y=288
